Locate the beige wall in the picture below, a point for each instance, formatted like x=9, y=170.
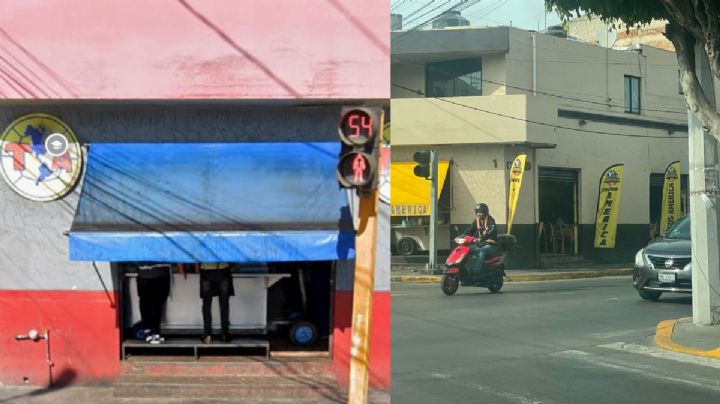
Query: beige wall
x=408, y=75
x=570, y=69
x=493, y=70
x=579, y=71
x=420, y=121
x=592, y=154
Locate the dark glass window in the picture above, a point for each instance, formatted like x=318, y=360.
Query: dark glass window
x=680, y=229
x=453, y=78
x=632, y=95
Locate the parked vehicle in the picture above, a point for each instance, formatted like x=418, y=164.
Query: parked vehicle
x=665, y=264
x=460, y=263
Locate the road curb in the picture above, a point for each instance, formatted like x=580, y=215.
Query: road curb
x=663, y=338
x=522, y=278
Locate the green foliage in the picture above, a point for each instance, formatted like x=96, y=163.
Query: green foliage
x=632, y=12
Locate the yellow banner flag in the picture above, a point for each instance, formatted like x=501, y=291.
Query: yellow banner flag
x=671, y=197
x=608, y=207
x=516, y=174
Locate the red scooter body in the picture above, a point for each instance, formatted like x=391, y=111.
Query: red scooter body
x=459, y=264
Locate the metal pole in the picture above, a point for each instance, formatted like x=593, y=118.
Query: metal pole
x=365, y=240
x=704, y=208
x=433, y=208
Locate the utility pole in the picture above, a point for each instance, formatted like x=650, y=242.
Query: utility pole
x=704, y=207
x=433, y=209
x=366, y=240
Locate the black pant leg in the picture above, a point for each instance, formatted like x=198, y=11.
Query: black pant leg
x=207, y=316
x=160, y=295
x=223, y=298
x=144, y=288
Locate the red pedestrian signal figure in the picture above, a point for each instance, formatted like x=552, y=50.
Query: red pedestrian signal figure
x=359, y=130
x=359, y=167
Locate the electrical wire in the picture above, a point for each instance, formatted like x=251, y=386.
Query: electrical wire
x=536, y=122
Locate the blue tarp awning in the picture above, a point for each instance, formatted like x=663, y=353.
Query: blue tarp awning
x=212, y=202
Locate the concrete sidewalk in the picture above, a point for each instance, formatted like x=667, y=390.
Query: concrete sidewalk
x=416, y=274
x=104, y=394
x=683, y=336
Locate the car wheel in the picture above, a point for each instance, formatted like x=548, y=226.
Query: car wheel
x=649, y=294
x=406, y=246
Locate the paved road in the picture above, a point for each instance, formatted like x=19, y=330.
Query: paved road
x=575, y=341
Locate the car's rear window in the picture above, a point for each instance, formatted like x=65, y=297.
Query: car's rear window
x=680, y=229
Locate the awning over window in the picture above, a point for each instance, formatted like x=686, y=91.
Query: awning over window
x=210, y=202
x=410, y=195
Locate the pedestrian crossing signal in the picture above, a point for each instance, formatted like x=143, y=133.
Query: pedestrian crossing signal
x=359, y=130
x=357, y=169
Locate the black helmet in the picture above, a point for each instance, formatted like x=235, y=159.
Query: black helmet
x=481, y=207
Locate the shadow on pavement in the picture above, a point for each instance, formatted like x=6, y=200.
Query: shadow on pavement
x=64, y=379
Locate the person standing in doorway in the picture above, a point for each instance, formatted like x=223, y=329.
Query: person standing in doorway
x=153, y=285
x=215, y=280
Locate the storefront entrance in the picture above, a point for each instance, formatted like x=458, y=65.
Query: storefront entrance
x=267, y=218
x=276, y=308
x=558, y=211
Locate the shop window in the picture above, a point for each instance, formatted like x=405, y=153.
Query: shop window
x=632, y=95
x=454, y=78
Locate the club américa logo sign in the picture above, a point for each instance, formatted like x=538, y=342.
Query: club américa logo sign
x=611, y=178
x=517, y=167
x=40, y=157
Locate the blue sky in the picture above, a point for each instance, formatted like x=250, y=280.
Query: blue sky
x=526, y=14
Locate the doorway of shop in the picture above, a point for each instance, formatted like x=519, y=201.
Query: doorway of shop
x=558, y=212
x=276, y=309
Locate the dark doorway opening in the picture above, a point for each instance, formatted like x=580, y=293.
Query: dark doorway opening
x=292, y=315
x=558, y=212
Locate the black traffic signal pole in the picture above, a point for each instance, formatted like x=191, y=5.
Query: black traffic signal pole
x=432, y=266
x=427, y=168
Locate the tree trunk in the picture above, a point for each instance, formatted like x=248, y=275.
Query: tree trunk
x=697, y=101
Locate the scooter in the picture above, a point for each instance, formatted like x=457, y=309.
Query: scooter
x=460, y=263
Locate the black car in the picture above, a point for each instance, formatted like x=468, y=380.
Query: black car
x=665, y=264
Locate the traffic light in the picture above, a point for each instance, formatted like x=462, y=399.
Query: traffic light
x=422, y=169
x=359, y=130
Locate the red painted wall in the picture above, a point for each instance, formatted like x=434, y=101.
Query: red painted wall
x=193, y=49
x=84, y=336
x=379, y=341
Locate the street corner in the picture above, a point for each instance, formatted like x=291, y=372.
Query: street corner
x=682, y=336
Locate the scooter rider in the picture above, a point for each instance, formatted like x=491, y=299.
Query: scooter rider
x=485, y=233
